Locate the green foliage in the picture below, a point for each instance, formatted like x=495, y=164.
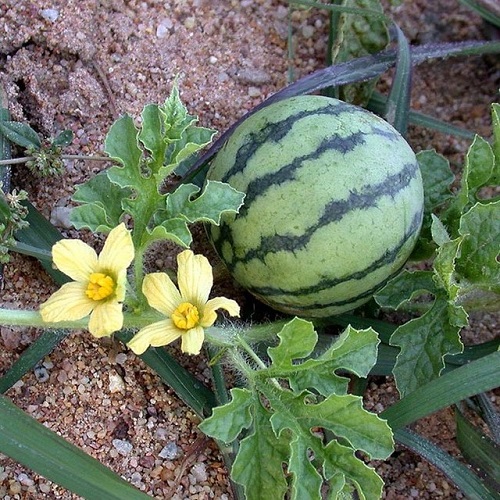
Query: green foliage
x=12, y=219
x=307, y=422
x=21, y=134
x=147, y=156
x=46, y=154
x=489, y=11
x=357, y=35
x=462, y=235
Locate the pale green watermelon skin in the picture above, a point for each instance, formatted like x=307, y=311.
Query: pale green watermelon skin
x=333, y=207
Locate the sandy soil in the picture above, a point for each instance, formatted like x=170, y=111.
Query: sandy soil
x=80, y=64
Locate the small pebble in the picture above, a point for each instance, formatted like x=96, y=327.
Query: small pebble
x=199, y=471
x=116, y=383
x=164, y=28
x=50, y=14
x=307, y=31
x=161, y=433
x=136, y=479
x=254, y=92
x=169, y=451
x=122, y=446
x=121, y=358
x=15, y=488
x=44, y=487
x=41, y=373
x=25, y=480
x=59, y=216
x=48, y=364
x=253, y=76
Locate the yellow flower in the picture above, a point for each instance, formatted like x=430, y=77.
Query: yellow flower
x=99, y=282
x=188, y=309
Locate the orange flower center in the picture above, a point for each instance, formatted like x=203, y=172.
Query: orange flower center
x=186, y=316
x=100, y=286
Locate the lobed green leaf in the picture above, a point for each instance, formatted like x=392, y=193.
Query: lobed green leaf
x=175, y=230
x=179, y=136
x=228, y=421
x=479, y=171
x=216, y=199
x=297, y=424
x=437, y=178
x=354, y=351
x=478, y=260
x=424, y=342
x=259, y=463
x=342, y=414
x=404, y=287
x=341, y=458
x=151, y=135
x=101, y=200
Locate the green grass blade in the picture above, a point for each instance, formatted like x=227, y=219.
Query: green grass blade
x=484, y=12
x=398, y=102
x=377, y=105
x=480, y=375
x=442, y=50
x=471, y=353
x=42, y=346
x=470, y=484
x=479, y=450
x=5, y=151
x=5, y=154
x=32, y=251
x=27, y=441
x=40, y=236
x=490, y=415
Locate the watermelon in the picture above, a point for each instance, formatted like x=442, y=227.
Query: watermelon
x=333, y=207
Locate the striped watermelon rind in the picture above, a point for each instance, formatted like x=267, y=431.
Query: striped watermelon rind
x=333, y=206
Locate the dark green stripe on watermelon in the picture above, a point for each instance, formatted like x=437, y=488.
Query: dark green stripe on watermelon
x=277, y=131
x=387, y=258
x=367, y=198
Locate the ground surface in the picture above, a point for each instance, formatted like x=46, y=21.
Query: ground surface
x=78, y=65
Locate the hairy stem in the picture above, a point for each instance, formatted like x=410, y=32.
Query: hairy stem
x=24, y=159
x=15, y=317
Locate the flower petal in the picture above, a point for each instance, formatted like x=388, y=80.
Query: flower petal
x=192, y=340
x=161, y=293
x=121, y=286
x=69, y=303
x=156, y=335
x=118, y=250
x=106, y=318
x=74, y=258
x=209, y=314
x=195, y=277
